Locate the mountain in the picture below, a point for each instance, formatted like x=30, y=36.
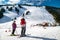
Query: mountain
x=37, y=14
x=55, y=12
x=53, y=3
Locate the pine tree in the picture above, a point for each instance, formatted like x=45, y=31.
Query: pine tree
x=20, y=6
x=2, y=10
x=1, y=14
x=17, y=10
x=7, y=7
x=55, y=14
x=27, y=13
x=10, y=9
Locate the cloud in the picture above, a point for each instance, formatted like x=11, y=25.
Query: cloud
x=1, y=1
x=13, y=1
x=9, y=1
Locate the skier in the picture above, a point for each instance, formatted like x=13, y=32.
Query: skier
x=13, y=28
x=23, y=27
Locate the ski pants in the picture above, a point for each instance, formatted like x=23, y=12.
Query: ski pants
x=23, y=30
x=13, y=31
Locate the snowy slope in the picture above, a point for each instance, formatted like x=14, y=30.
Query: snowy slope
x=37, y=15
x=34, y=33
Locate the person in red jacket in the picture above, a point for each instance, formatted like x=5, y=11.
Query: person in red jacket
x=13, y=27
x=23, y=27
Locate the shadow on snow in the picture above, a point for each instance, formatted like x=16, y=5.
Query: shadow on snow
x=5, y=19
x=41, y=38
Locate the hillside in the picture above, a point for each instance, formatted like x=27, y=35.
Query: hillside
x=55, y=12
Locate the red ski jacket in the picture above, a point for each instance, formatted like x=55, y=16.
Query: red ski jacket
x=23, y=22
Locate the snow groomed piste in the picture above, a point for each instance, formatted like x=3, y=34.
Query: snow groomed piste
x=37, y=15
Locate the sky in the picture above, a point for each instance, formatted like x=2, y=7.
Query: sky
x=8, y=1
x=54, y=3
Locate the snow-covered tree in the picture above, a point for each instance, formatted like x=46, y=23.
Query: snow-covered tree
x=17, y=10
x=1, y=14
x=10, y=9
x=2, y=10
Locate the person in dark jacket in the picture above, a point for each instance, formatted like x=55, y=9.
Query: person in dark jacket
x=23, y=27
x=13, y=27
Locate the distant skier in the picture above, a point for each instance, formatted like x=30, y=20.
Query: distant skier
x=13, y=28
x=23, y=27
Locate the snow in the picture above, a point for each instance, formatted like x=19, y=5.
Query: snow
x=34, y=33
x=37, y=15
x=10, y=14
